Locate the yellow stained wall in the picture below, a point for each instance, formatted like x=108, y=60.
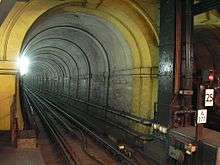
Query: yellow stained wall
x=7, y=90
x=138, y=24
x=211, y=18
x=12, y=32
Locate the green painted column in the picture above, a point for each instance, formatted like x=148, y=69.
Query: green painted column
x=166, y=65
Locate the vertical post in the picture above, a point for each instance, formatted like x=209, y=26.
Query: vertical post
x=178, y=48
x=200, y=105
x=187, y=66
x=166, y=64
x=188, y=47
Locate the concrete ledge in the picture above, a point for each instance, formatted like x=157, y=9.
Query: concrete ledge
x=27, y=139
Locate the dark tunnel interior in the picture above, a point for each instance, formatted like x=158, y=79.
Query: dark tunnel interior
x=76, y=60
x=129, y=81
x=206, y=51
x=206, y=47
x=79, y=58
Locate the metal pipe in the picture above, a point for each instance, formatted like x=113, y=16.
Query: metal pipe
x=188, y=57
x=184, y=112
x=188, y=44
x=200, y=105
x=118, y=113
x=178, y=47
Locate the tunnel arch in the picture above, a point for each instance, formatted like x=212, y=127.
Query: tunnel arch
x=130, y=25
x=207, y=39
x=206, y=52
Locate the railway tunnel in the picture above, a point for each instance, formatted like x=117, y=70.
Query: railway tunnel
x=109, y=81
x=204, y=35
x=85, y=57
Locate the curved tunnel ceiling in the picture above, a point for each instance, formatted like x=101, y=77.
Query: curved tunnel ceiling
x=207, y=47
x=206, y=50
x=86, y=57
x=80, y=48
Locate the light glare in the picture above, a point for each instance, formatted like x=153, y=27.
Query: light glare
x=23, y=64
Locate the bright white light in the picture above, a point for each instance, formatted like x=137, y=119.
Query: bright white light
x=167, y=67
x=23, y=64
x=121, y=147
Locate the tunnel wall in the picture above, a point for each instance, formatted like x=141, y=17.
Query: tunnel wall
x=123, y=78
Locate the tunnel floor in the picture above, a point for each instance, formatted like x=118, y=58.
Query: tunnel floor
x=10, y=155
x=109, y=82
x=46, y=152
x=54, y=137
x=90, y=84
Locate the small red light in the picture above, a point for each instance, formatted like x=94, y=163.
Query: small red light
x=211, y=77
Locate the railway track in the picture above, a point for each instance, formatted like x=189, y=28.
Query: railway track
x=102, y=124
x=64, y=127
x=69, y=103
x=52, y=155
x=48, y=121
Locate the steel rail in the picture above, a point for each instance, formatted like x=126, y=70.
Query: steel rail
x=57, y=137
x=116, y=125
x=139, y=136
x=69, y=128
x=115, y=112
x=30, y=114
x=89, y=131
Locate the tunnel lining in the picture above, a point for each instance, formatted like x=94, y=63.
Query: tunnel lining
x=109, y=72
x=28, y=13
x=126, y=72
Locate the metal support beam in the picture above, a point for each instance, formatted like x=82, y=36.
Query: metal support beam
x=166, y=65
